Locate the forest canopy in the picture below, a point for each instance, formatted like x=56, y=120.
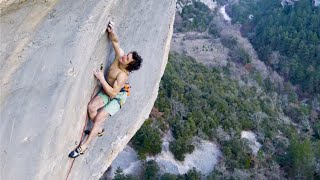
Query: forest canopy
x=286, y=37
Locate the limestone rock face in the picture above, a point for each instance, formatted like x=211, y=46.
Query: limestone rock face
x=49, y=49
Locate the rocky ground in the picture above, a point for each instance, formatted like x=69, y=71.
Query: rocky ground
x=207, y=51
x=205, y=156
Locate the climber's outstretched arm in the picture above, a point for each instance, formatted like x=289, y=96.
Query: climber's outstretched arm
x=115, y=41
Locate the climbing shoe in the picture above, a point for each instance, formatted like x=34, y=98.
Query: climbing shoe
x=75, y=153
x=87, y=132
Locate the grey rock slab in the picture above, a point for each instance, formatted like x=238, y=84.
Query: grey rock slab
x=48, y=51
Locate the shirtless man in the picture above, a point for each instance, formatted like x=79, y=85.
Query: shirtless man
x=107, y=102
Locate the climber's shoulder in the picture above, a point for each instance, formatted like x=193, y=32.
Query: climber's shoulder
x=119, y=52
x=118, y=55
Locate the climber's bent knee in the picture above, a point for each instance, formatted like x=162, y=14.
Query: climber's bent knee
x=101, y=116
x=92, y=109
x=95, y=104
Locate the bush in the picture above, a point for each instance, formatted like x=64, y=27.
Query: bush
x=151, y=171
x=301, y=159
x=237, y=154
x=180, y=147
x=317, y=129
x=229, y=42
x=213, y=30
x=168, y=176
x=193, y=174
x=119, y=175
x=199, y=99
x=195, y=17
x=147, y=141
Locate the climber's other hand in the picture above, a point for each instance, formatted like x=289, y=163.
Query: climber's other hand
x=98, y=74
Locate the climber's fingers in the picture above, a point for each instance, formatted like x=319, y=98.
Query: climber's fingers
x=98, y=74
x=110, y=26
x=109, y=29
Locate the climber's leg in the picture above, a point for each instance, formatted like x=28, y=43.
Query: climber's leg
x=96, y=103
x=99, y=119
x=98, y=123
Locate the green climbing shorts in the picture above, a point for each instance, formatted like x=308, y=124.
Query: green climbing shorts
x=113, y=105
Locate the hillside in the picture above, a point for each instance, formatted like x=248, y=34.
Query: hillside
x=286, y=38
x=253, y=115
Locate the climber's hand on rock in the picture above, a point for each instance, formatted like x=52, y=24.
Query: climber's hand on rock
x=109, y=30
x=98, y=74
x=110, y=27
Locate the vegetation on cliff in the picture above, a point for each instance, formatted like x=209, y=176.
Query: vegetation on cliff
x=286, y=38
x=205, y=102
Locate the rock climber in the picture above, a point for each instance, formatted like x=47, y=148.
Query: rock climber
x=113, y=94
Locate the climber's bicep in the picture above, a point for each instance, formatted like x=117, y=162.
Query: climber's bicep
x=119, y=52
x=119, y=82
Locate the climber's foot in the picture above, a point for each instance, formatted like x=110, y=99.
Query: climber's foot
x=87, y=132
x=77, y=152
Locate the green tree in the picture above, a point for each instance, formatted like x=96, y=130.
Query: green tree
x=168, y=176
x=119, y=175
x=291, y=30
x=147, y=141
x=151, y=171
x=180, y=147
x=301, y=159
x=193, y=174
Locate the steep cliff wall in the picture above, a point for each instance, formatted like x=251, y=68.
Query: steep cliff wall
x=48, y=51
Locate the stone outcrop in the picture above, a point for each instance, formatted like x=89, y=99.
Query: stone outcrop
x=288, y=2
x=48, y=51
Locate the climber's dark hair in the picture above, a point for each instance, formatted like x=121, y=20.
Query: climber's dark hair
x=136, y=63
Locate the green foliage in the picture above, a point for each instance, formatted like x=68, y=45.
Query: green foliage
x=193, y=174
x=214, y=175
x=229, y=42
x=240, y=12
x=301, y=159
x=238, y=54
x=119, y=175
x=214, y=30
x=237, y=154
x=151, y=171
x=198, y=99
x=180, y=147
x=147, y=140
x=195, y=17
x=317, y=129
x=317, y=150
x=168, y=176
x=293, y=31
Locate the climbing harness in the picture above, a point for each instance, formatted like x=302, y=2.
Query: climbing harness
x=126, y=89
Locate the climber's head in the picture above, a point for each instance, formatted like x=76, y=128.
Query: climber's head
x=132, y=60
